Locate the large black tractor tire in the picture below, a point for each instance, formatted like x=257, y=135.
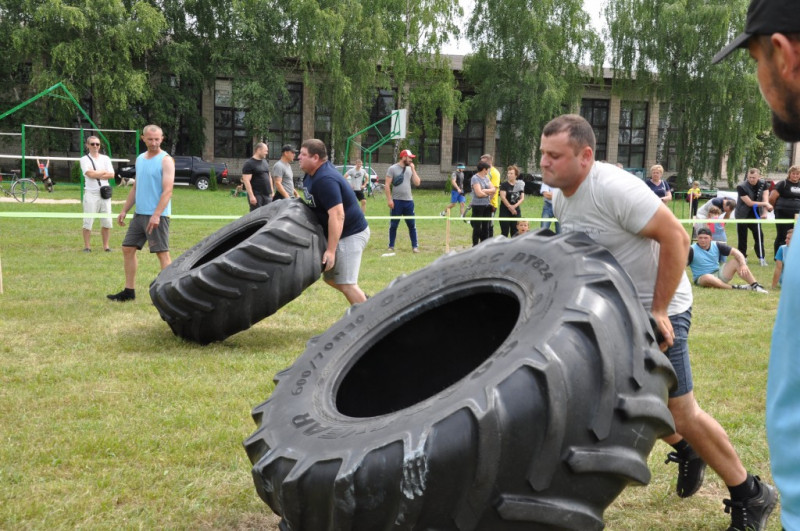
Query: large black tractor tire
x=536, y=416
x=242, y=273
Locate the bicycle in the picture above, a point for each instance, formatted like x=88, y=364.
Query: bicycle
x=23, y=190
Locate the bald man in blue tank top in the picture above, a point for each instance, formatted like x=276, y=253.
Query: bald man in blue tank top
x=152, y=194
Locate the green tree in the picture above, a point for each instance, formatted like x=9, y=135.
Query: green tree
x=91, y=46
x=663, y=49
x=527, y=66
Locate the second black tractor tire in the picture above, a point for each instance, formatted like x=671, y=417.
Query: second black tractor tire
x=242, y=273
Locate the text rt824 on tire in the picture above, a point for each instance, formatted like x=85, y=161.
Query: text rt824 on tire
x=535, y=416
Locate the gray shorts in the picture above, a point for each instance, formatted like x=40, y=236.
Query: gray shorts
x=348, y=259
x=158, y=240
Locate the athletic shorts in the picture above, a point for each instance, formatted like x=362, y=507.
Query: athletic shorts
x=348, y=259
x=455, y=197
x=718, y=274
x=678, y=353
x=359, y=194
x=158, y=240
x=94, y=204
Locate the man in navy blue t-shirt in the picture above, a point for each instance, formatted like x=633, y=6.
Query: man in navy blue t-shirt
x=338, y=211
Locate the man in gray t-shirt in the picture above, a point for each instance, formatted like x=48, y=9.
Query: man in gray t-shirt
x=357, y=179
x=619, y=212
x=282, y=175
x=399, y=178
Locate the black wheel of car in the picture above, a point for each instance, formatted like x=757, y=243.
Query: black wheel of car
x=202, y=182
x=536, y=416
x=242, y=273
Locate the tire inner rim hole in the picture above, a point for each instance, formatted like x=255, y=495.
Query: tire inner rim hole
x=229, y=243
x=427, y=354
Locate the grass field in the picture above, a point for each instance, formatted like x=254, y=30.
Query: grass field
x=107, y=420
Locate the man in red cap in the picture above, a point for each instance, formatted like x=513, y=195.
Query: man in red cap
x=399, y=178
x=772, y=36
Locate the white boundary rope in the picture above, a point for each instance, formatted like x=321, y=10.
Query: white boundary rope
x=79, y=129
x=52, y=158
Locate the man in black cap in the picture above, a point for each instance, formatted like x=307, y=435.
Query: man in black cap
x=772, y=36
x=282, y=175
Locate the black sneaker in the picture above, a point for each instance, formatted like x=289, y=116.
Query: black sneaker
x=752, y=514
x=691, y=471
x=123, y=296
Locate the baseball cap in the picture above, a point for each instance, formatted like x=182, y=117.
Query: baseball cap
x=407, y=153
x=764, y=17
x=704, y=230
x=287, y=147
x=460, y=166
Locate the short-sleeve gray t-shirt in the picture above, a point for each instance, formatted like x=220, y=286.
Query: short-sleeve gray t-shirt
x=403, y=190
x=355, y=178
x=612, y=207
x=284, y=171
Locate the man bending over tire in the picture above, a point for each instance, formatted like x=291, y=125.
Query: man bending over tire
x=620, y=213
x=337, y=209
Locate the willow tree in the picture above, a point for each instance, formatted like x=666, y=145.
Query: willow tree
x=662, y=49
x=416, y=69
x=527, y=66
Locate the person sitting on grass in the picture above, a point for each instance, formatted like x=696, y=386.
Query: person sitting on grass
x=780, y=257
x=704, y=260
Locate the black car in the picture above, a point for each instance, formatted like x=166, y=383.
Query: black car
x=533, y=183
x=188, y=170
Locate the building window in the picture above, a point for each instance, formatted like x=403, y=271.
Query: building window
x=287, y=126
x=632, y=134
x=426, y=143
x=596, y=113
x=786, y=158
x=384, y=106
x=323, y=120
x=668, y=143
x=230, y=135
x=468, y=141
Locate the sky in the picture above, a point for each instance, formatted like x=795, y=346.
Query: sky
x=462, y=47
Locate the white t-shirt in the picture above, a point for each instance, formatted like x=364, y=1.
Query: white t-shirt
x=101, y=163
x=612, y=207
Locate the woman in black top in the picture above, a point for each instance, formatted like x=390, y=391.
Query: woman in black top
x=785, y=197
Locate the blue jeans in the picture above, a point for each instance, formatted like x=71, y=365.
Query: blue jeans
x=547, y=212
x=678, y=353
x=403, y=207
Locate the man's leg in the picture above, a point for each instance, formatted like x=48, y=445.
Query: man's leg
x=411, y=223
x=130, y=264
x=711, y=281
x=707, y=438
x=106, y=235
x=351, y=292
x=741, y=233
x=87, y=239
x=164, y=259
x=394, y=223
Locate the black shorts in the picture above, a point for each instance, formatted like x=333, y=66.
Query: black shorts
x=359, y=194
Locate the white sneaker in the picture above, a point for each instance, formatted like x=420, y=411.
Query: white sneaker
x=441, y=213
x=758, y=288
x=762, y=262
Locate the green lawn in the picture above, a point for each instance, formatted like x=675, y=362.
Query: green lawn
x=107, y=420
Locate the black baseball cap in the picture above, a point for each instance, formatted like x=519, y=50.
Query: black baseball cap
x=287, y=147
x=704, y=230
x=764, y=17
